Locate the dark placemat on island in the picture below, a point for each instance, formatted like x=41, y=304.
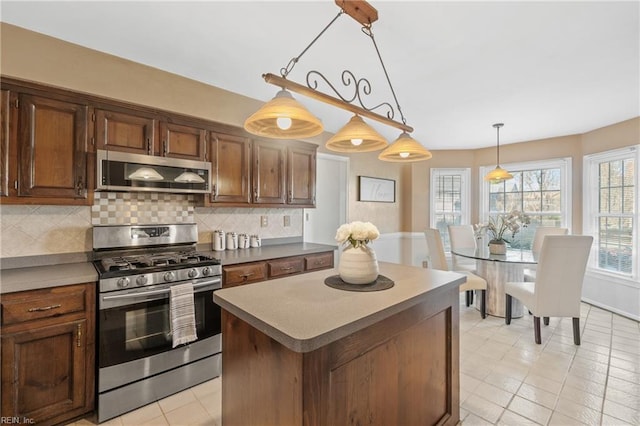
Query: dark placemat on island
x=381, y=283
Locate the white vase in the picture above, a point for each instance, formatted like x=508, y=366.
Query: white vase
x=358, y=265
x=497, y=247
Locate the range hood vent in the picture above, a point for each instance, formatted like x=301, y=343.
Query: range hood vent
x=121, y=171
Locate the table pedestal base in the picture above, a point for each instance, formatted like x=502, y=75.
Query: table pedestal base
x=497, y=274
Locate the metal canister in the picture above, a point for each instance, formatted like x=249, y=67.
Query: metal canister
x=232, y=240
x=243, y=241
x=254, y=241
x=219, y=240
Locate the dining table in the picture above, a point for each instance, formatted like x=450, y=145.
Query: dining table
x=498, y=269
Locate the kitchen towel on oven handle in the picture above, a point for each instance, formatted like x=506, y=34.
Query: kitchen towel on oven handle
x=183, y=316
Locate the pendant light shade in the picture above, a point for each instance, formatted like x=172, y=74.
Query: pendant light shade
x=405, y=149
x=283, y=118
x=356, y=136
x=145, y=173
x=189, y=177
x=498, y=174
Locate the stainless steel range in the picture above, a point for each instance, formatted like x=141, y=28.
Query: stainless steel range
x=137, y=265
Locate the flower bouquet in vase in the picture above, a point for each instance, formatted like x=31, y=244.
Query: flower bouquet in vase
x=496, y=228
x=358, y=263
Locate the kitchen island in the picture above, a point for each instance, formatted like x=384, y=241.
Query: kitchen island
x=296, y=351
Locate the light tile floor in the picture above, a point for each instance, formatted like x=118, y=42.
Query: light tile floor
x=505, y=378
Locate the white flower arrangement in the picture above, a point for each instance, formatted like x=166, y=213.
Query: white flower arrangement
x=358, y=234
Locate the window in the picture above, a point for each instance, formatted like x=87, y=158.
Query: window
x=611, y=210
x=538, y=188
x=449, y=200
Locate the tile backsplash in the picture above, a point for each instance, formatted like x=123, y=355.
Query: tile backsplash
x=41, y=230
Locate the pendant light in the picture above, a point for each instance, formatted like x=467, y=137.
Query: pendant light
x=405, y=149
x=356, y=136
x=283, y=118
x=145, y=173
x=498, y=174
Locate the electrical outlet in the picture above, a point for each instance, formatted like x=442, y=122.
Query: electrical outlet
x=264, y=221
x=287, y=221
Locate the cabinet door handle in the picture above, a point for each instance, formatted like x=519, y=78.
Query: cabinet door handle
x=290, y=196
x=164, y=148
x=246, y=276
x=319, y=262
x=79, y=187
x=255, y=194
x=149, y=146
x=286, y=268
x=79, y=335
x=214, y=189
x=44, y=308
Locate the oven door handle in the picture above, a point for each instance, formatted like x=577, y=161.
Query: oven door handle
x=214, y=284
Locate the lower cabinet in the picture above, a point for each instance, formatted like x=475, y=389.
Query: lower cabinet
x=48, y=354
x=247, y=273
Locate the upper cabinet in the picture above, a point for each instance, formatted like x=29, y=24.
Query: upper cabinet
x=183, y=141
x=269, y=172
x=301, y=175
x=140, y=132
x=44, y=147
x=126, y=131
x=49, y=137
x=230, y=160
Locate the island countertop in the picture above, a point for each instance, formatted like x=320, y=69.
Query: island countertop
x=303, y=314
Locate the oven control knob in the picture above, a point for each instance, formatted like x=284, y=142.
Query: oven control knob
x=141, y=280
x=123, y=282
x=169, y=276
x=206, y=271
x=193, y=273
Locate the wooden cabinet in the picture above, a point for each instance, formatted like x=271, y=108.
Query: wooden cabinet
x=127, y=131
x=318, y=261
x=145, y=133
x=301, y=175
x=182, y=141
x=244, y=273
x=230, y=169
x=48, y=355
x=43, y=149
x=269, y=172
x=247, y=273
x=5, y=132
x=287, y=266
x=53, y=145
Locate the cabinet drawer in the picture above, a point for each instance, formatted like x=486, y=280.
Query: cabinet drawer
x=318, y=261
x=286, y=266
x=243, y=274
x=37, y=304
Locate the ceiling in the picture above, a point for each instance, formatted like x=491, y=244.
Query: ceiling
x=545, y=69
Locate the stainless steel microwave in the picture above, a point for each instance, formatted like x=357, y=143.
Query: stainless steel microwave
x=122, y=171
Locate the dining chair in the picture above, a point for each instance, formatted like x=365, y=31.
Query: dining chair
x=536, y=246
x=438, y=260
x=558, y=286
x=462, y=236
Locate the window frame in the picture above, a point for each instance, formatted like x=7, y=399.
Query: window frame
x=565, y=166
x=465, y=195
x=591, y=213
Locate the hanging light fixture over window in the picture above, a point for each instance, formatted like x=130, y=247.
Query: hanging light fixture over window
x=498, y=174
x=285, y=118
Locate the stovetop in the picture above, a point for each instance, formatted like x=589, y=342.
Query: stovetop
x=125, y=265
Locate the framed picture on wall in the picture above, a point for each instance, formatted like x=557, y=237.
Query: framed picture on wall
x=376, y=189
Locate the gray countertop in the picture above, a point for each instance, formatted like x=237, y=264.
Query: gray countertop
x=36, y=272
x=233, y=257
x=38, y=277
x=304, y=314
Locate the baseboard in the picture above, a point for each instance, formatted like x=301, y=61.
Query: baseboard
x=611, y=309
